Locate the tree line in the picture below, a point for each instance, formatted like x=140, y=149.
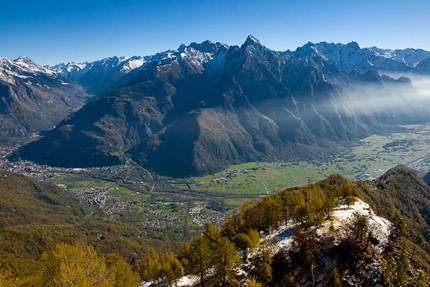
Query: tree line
x=76, y=265
x=219, y=253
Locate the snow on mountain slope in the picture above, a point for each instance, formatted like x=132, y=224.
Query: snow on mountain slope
x=33, y=98
x=200, y=53
x=133, y=63
x=107, y=74
x=410, y=57
x=21, y=68
x=351, y=57
x=74, y=70
x=283, y=237
x=341, y=215
x=184, y=281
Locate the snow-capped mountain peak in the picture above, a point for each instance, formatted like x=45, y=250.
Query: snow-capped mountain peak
x=22, y=68
x=111, y=65
x=23, y=59
x=252, y=40
x=132, y=63
x=4, y=61
x=196, y=55
x=410, y=57
x=27, y=64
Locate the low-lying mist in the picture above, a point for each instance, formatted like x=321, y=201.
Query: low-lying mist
x=364, y=103
x=400, y=94
x=420, y=82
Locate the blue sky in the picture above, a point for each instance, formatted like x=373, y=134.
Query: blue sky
x=50, y=32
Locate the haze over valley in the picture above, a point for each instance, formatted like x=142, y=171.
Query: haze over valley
x=235, y=122
x=204, y=107
x=235, y=162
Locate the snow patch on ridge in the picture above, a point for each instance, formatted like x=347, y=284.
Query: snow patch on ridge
x=21, y=68
x=341, y=215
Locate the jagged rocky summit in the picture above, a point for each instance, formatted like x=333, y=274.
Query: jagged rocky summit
x=203, y=107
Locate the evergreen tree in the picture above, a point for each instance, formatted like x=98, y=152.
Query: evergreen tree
x=388, y=276
x=397, y=231
x=349, y=200
x=246, y=241
x=402, y=267
x=242, y=242
x=211, y=233
x=254, y=237
x=304, y=246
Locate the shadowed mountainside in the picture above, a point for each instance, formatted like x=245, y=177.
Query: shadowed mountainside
x=204, y=107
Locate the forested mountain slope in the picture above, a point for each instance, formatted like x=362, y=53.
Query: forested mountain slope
x=315, y=235
x=35, y=217
x=204, y=107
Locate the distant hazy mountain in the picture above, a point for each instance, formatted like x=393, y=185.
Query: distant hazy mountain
x=203, y=107
x=410, y=57
x=351, y=57
x=104, y=75
x=423, y=67
x=33, y=98
x=100, y=76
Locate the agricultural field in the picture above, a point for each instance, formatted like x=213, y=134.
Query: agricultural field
x=367, y=159
x=177, y=208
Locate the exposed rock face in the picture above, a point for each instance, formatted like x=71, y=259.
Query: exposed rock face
x=33, y=98
x=206, y=106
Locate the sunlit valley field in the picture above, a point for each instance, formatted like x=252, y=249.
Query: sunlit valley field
x=363, y=160
x=177, y=208
x=158, y=213
x=214, y=164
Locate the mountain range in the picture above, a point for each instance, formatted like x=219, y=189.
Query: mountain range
x=100, y=76
x=33, y=98
x=203, y=107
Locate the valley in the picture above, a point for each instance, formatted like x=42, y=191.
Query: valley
x=363, y=160
x=177, y=208
x=172, y=143
x=194, y=143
